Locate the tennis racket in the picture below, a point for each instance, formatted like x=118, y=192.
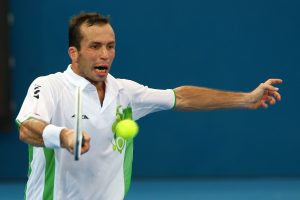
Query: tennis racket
x=78, y=124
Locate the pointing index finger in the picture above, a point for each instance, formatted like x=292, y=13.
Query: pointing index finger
x=272, y=81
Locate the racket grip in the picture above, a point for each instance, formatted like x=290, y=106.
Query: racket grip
x=82, y=141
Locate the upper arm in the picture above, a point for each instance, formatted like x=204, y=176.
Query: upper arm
x=145, y=100
x=39, y=101
x=36, y=111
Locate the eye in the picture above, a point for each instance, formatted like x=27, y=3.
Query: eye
x=95, y=46
x=111, y=46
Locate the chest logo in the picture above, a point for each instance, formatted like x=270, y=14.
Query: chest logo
x=83, y=116
x=118, y=143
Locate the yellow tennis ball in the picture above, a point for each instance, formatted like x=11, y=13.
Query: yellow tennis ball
x=127, y=129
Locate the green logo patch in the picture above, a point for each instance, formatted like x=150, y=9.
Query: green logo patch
x=119, y=143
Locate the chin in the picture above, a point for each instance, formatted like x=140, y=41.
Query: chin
x=102, y=78
x=96, y=80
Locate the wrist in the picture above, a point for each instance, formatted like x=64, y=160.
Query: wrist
x=51, y=136
x=64, y=138
x=248, y=99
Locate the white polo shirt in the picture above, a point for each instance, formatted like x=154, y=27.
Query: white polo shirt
x=103, y=173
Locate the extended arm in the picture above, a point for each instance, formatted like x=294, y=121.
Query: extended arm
x=191, y=98
x=31, y=132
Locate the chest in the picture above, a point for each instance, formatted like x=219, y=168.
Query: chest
x=95, y=115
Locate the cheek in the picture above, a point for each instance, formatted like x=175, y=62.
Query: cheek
x=84, y=62
x=91, y=57
x=112, y=54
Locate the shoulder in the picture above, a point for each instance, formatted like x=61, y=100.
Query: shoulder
x=51, y=79
x=130, y=85
x=124, y=84
x=47, y=82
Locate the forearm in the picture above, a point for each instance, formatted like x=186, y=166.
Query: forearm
x=191, y=98
x=31, y=132
x=34, y=131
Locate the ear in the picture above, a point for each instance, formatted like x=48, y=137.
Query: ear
x=73, y=53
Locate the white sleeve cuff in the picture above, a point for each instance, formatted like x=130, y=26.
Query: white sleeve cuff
x=51, y=136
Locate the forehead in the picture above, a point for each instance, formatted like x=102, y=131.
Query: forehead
x=100, y=33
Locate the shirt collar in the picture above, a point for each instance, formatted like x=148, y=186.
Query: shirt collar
x=75, y=79
x=111, y=83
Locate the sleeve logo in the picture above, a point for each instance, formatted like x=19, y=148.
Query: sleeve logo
x=36, y=92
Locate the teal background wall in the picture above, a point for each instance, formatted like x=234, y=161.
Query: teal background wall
x=229, y=45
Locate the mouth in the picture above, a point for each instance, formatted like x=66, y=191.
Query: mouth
x=101, y=70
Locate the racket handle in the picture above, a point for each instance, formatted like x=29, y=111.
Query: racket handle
x=82, y=141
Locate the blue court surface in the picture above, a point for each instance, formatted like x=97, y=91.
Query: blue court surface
x=195, y=189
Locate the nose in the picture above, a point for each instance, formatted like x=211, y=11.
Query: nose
x=103, y=53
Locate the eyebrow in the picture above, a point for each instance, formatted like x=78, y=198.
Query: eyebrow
x=100, y=43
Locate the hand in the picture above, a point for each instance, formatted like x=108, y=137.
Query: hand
x=86, y=145
x=265, y=94
x=67, y=140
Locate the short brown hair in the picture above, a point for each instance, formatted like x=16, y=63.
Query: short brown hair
x=90, y=19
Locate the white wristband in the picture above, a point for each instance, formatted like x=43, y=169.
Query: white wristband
x=51, y=136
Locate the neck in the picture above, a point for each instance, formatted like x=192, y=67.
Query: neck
x=101, y=91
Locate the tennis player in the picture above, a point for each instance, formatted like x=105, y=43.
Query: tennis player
x=46, y=118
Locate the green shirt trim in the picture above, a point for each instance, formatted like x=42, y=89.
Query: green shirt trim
x=30, y=157
x=174, y=106
x=49, y=174
x=18, y=123
x=127, y=166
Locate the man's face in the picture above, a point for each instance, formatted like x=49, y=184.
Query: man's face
x=97, y=53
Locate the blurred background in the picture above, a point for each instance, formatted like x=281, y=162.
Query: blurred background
x=229, y=45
